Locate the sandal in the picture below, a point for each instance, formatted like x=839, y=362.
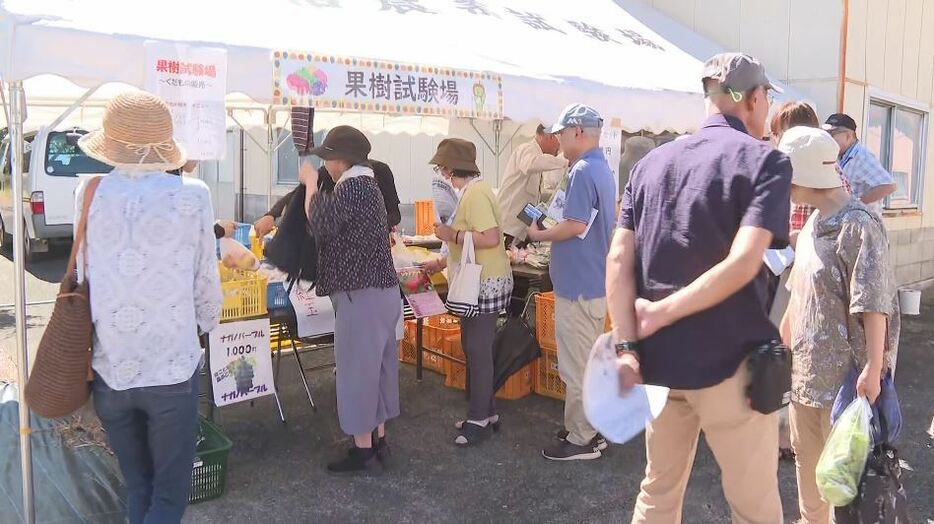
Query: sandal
x=495, y=423
x=472, y=434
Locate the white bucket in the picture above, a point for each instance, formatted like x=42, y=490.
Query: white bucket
x=909, y=301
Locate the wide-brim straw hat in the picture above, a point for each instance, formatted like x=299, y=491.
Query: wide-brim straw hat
x=136, y=135
x=457, y=154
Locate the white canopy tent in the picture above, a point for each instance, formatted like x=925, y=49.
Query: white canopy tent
x=628, y=61
x=547, y=57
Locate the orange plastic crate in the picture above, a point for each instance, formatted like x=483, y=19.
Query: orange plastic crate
x=545, y=321
x=546, y=378
x=424, y=217
x=455, y=374
x=429, y=362
x=434, y=331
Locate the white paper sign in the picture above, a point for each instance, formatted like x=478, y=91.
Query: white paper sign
x=314, y=314
x=619, y=417
x=241, y=361
x=611, y=140
x=193, y=82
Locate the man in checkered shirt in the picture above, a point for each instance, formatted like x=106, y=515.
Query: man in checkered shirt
x=869, y=181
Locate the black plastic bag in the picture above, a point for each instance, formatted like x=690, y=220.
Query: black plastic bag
x=293, y=249
x=881, y=498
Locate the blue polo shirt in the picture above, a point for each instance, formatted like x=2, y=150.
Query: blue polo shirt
x=578, y=266
x=685, y=201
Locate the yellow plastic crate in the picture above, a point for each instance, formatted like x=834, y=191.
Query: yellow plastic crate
x=256, y=246
x=244, y=294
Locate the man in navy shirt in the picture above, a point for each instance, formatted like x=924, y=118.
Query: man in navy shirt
x=579, y=244
x=687, y=291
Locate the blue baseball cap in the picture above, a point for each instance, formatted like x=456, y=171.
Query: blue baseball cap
x=577, y=115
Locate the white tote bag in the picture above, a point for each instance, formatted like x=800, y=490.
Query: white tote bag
x=464, y=291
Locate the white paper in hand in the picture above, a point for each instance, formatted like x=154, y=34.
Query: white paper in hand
x=778, y=260
x=618, y=416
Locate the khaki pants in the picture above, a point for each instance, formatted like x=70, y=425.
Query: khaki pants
x=744, y=443
x=810, y=428
x=578, y=323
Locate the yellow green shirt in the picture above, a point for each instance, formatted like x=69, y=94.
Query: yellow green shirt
x=478, y=211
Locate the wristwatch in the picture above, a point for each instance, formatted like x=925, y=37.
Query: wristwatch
x=627, y=347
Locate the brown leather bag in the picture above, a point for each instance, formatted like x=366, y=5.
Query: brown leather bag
x=59, y=383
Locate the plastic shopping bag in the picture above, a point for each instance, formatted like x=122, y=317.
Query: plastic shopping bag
x=843, y=460
x=235, y=256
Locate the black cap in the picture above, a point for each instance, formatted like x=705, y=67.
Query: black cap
x=839, y=120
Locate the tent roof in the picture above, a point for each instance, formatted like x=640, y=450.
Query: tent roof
x=598, y=53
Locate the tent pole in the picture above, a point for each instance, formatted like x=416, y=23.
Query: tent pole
x=497, y=136
x=17, y=111
x=270, y=151
x=71, y=109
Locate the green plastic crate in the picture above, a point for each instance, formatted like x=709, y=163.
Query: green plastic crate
x=209, y=472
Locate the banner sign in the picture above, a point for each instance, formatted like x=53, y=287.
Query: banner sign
x=373, y=86
x=193, y=82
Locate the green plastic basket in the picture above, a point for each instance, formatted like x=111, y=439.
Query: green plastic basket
x=209, y=473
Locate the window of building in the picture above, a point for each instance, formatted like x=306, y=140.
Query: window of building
x=287, y=156
x=896, y=135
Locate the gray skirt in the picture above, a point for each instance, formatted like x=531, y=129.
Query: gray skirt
x=367, y=356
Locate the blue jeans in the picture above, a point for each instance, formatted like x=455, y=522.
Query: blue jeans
x=152, y=430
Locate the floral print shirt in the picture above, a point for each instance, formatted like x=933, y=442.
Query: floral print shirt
x=841, y=270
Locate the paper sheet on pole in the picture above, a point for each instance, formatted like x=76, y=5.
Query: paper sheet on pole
x=193, y=82
x=241, y=361
x=314, y=315
x=611, y=141
x=619, y=417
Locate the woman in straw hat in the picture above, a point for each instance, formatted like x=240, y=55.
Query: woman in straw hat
x=843, y=317
x=151, y=265
x=355, y=270
x=477, y=215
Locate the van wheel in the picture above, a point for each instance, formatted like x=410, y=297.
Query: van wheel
x=29, y=254
x=6, y=239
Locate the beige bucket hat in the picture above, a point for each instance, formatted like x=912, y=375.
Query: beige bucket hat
x=137, y=135
x=813, y=154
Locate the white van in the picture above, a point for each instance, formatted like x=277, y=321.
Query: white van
x=56, y=166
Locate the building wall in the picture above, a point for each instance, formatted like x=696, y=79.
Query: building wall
x=406, y=154
x=890, y=52
x=797, y=40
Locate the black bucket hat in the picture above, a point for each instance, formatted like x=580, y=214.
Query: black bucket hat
x=344, y=143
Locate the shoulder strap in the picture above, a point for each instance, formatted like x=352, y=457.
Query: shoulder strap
x=81, y=232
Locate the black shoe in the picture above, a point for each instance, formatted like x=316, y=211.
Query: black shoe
x=382, y=450
x=472, y=434
x=357, y=461
x=564, y=451
x=599, y=441
x=495, y=424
